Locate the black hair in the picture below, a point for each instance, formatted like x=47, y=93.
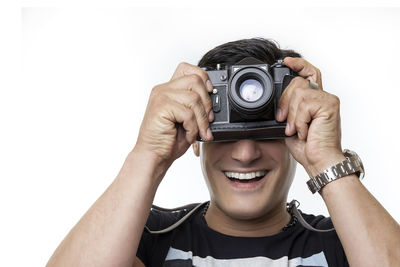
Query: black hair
x=267, y=51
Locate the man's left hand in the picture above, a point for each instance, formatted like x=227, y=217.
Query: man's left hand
x=314, y=115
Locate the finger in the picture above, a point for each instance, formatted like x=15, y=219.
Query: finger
x=194, y=83
x=192, y=100
x=298, y=96
x=304, y=69
x=284, y=101
x=316, y=105
x=303, y=118
x=185, y=69
x=186, y=117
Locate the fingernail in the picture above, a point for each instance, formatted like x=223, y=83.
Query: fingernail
x=286, y=58
x=209, y=86
x=210, y=116
x=209, y=134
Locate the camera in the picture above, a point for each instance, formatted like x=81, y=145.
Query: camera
x=245, y=98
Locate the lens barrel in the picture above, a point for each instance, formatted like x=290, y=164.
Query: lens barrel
x=251, y=92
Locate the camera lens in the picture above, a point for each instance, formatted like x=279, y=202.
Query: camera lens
x=251, y=90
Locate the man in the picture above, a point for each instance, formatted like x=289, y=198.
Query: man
x=246, y=221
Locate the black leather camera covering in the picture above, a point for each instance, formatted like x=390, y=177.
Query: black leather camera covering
x=248, y=130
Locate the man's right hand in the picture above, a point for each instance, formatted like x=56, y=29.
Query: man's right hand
x=177, y=112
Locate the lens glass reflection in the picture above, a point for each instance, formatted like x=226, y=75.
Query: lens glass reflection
x=251, y=90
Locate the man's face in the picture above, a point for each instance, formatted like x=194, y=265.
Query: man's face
x=265, y=170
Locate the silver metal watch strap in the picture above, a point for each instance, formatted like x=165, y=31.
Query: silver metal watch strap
x=349, y=166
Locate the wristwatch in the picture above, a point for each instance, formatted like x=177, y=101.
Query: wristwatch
x=351, y=165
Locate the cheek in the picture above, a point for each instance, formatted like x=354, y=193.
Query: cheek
x=211, y=153
x=288, y=170
x=285, y=162
x=205, y=160
x=278, y=151
x=210, y=156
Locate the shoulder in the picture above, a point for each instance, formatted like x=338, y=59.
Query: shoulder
x=154, y=245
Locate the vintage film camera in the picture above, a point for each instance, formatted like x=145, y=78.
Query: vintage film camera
x=245, y=99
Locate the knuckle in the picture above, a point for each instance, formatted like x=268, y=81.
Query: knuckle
x=297, y=93
x=298, y=124
x=155, y=89
x=195, y=79
x=314, y=70
x=298, y=81
x=195, y=98
x=182, y=65
x=189, y=115
x=335, y=100
x=302, y=106
x=157, y=92
x=203, y=73
x=297, y=78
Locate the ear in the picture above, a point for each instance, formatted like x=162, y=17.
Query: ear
x=196, y=148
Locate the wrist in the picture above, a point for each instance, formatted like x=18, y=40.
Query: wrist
x=351, y=182
x=317, y=167
x=143, y=167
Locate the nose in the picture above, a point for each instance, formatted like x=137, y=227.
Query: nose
x=246, y=151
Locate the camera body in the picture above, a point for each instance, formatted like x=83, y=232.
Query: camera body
x=245, y=99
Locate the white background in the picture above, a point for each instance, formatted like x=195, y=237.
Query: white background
x=79, y=79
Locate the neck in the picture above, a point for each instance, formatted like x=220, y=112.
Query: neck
x=268, y=224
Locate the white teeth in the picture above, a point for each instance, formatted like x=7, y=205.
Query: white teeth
x=245, y=175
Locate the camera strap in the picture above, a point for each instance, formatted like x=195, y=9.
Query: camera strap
x=293, y=207
x=191, y=208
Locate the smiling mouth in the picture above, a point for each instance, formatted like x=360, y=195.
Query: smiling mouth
x=245, y=177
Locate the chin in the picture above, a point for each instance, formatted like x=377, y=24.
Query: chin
x=245, y=208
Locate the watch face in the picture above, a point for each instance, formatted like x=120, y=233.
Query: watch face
x=353, y=155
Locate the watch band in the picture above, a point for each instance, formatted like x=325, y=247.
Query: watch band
x=351, y=165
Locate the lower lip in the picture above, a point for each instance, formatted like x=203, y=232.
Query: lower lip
x=247, y=186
